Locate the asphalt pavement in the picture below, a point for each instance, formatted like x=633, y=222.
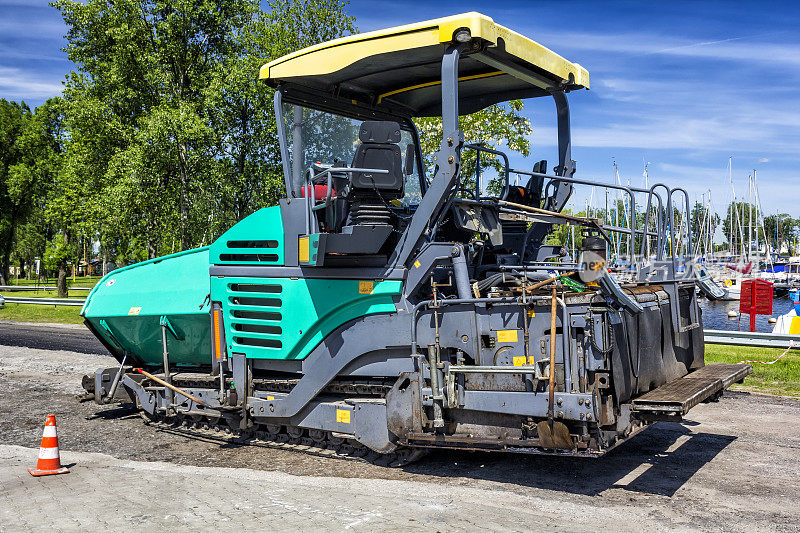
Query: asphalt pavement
x=67, y=337
x=731, y=466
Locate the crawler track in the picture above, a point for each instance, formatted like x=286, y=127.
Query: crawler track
x=312, y=442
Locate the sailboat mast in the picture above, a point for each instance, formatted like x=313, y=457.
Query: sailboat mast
x=616, y=210
x=647, y=228
x=757, y=211
x=732, y=207
x=710, y=225
x=749, y=215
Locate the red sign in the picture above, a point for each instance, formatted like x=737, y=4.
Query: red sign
x=756, y=299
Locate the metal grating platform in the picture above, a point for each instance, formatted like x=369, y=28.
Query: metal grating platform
x=682, y=394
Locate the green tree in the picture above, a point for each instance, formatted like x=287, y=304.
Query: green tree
x=14, y=198
x=30, y=241
x=780, y=229
x=500, y=127
x=55, y=193
x=148, y=65
x=253, y=175
x=704, y=225
x=737, y=226
x=170, y=132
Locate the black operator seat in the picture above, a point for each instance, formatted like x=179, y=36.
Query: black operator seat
x=379, y=149
x=367, y=214
x=531, y=194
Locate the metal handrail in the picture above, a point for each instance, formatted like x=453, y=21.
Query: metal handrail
x=632, y=230
x=661, y=218
x=478, y=148
x=553, y=178
x=751, y=338
x=44, y=301
x=13, y=288
x=310, y=192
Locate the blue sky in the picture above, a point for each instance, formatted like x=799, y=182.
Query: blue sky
x=681, y=85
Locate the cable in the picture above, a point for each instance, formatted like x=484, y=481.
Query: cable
x=791, y=345
x=592, y=343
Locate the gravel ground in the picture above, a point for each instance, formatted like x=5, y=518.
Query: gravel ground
x=733, y=465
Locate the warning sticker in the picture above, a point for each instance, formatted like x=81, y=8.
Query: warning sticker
x=302, y=249
x=134, y=310
x=531, y=313
x=507, y=335
x=270, y=397
x=417, y=264
x=520, y=360
x=343, y=416
x=365, y=287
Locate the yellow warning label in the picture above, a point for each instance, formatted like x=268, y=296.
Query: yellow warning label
x=343, y=416
x=520, y=361
x=270, y=397
x=302, y=249
x=134, y=310
x=365, y=287
x=417, y=264
x=507, y=335
x=531, y=313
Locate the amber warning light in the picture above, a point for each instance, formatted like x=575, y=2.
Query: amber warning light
x=217, y=326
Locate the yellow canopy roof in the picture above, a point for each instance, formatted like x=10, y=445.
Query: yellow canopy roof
x=398, y=69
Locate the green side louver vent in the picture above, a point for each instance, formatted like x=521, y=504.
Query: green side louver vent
x=255, y=311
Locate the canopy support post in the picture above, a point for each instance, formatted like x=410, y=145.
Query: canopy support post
x=279, y=121
x=448, y=159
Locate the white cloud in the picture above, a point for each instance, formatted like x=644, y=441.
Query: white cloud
x=740, y=48
x=764, y=160
x=32, y=28
x=674, y=114
x=687, y=130
x=24, y=3
x=18, y=84
x=10, y=52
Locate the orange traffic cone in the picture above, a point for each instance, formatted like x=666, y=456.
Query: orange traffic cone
x=49, y=460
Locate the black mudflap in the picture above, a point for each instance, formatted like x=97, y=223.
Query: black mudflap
x=674, y=399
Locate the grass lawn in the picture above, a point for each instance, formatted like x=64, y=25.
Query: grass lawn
x=781, y=378
x=41, y=313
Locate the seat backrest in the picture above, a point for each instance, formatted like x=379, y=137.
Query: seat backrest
x=379, y=150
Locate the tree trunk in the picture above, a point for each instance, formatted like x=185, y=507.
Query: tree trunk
x=62, y=281
x=61, y=285
x=5, y=271
x=184, y=197
x=152, y=244
x=7, y=241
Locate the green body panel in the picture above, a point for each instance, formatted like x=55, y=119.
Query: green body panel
x=256, y=239
x=265, y=318
x=173, y=286
x=284, y=318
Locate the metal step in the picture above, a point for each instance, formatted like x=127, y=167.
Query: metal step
x=680, y=395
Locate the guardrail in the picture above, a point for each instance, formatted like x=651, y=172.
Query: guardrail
x=748, y=338
x=42, y=301
x=13, y=288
